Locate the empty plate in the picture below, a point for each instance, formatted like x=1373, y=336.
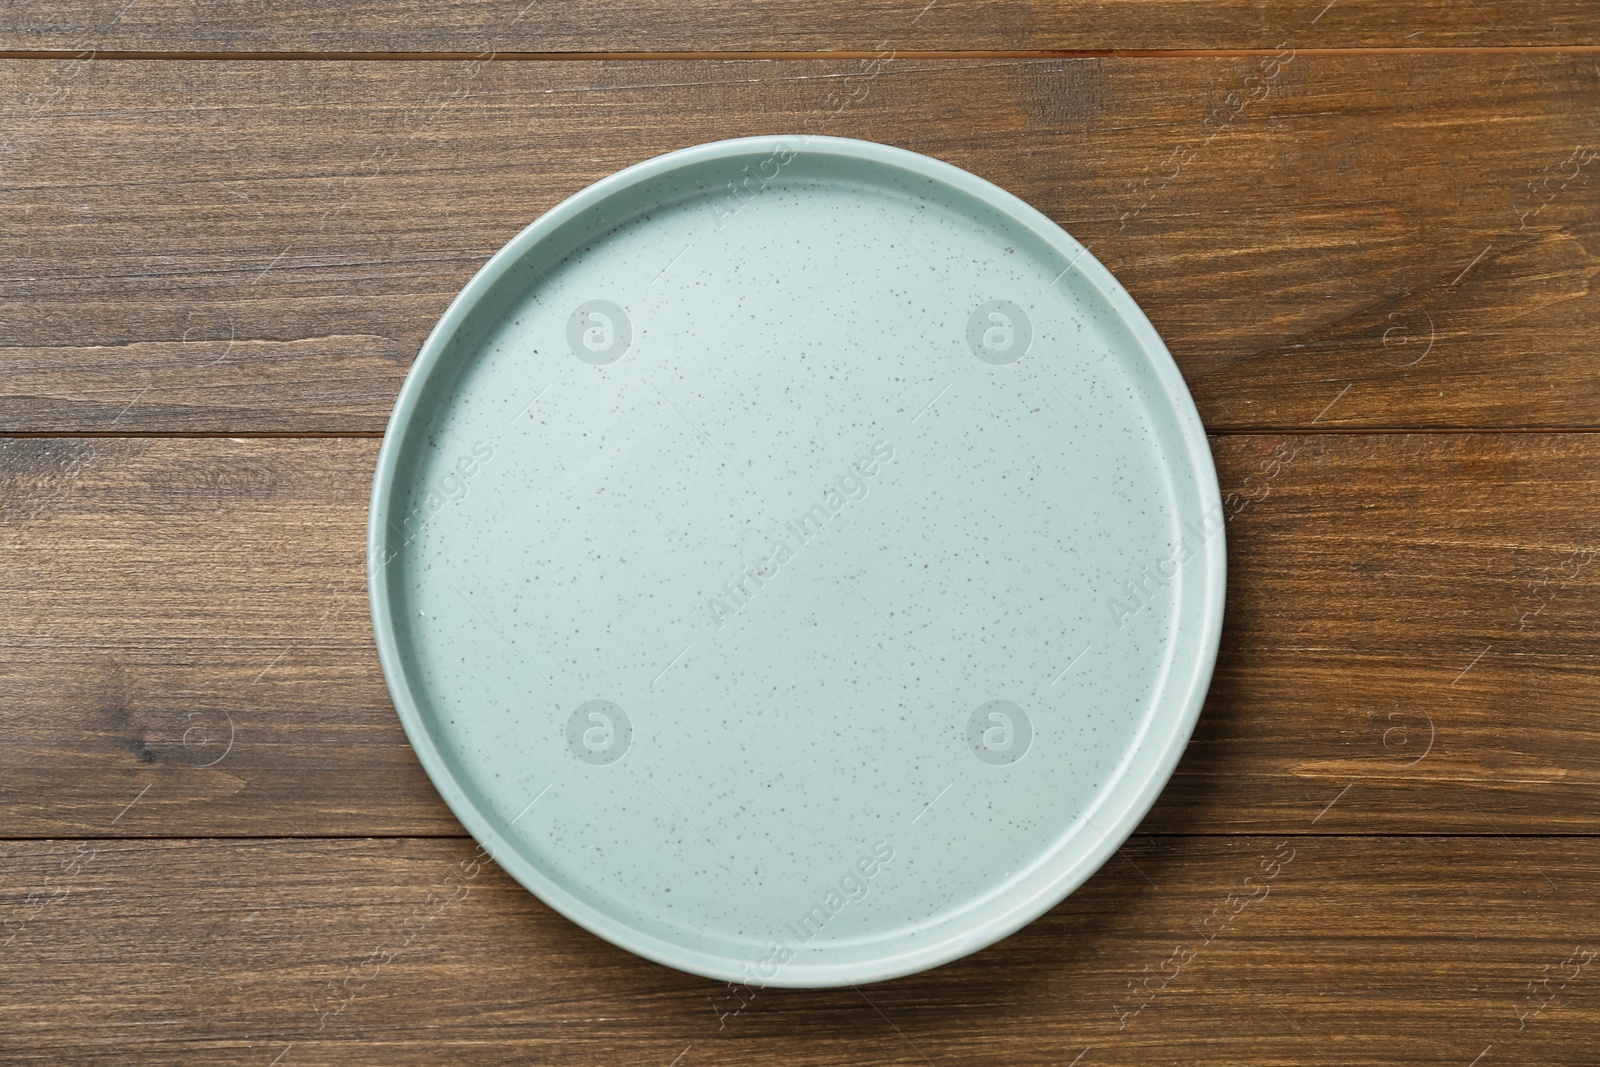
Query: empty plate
x=796, y=560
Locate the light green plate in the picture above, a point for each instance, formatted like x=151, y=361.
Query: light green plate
x=797, y=561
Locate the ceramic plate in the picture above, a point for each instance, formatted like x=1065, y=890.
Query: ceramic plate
x=796, y=560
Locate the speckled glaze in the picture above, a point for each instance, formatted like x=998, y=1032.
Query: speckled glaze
x=797, y=561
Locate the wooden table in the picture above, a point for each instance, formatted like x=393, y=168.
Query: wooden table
x=1366, y=228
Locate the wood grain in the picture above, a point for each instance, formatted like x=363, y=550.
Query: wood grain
x=1355, y=951
x=215, y=843
x=1408, y=632
x=515, y=26
x=1373, y=240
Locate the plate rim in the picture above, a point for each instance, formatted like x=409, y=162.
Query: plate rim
x=971, y=938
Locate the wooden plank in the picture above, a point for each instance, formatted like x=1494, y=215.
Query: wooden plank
x=1236, y=951
x=262, y=246
x=1406, y=614
x=1409, y=633
x=514, y=26
x=192, y=618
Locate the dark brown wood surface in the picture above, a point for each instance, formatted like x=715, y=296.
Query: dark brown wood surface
x=1357, y=951
x=262, y=246
x=216, y=845
x=474, y=27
